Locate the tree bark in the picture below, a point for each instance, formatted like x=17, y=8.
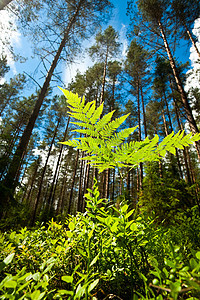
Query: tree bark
x=80, y=189
x=42, y=177
x=190, y=117
x=73, y=182
x=143, y=111
x=53, y=186
x=104, y=77
x=139, y=129
x=37, y=163
x=86, y=183
x=191, y=38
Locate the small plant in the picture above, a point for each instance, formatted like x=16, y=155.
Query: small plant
x=107, y=147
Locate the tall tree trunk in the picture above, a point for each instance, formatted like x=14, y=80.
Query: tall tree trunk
x=128, y=184
x=104, y=77
x=168, y=113
x=188, y=175
x=73, y=182
x=53, y=186
x=10, y=182
x=143, y=111
x=165, y=123
x=60, y=205
x=191, y=38
x=86, y=183
x=171, y=129
x=80, y=188
x=139, y=131
x=107, y=181
x=42, y=176
x=31, y=181
x=113, y=186
x=190, y=117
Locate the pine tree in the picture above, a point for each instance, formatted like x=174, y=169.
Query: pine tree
x=106, y=46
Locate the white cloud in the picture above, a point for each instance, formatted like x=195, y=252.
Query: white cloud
x=193, y=79
x=123, y=39
x=71, y=70
x=10, y=37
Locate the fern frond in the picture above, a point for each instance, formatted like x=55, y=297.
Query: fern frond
x=107, y=148
x=112, y=126
x=104, y=121
x=83, y=124
x=88, y=132
x=120, y=136
x=97, y=114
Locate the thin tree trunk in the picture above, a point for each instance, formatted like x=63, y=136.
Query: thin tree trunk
x=42, y=176
x=60, y=206
x=80, y=189
x=143, y=111
x=53, y=187
x=113, y=186
x=10, y=180
x=171, y=127
x=190, y=117
x=165, y=123
x=138, y=180
x=139, y=132
x=188, y=175
x=73, y=182
x=86, y=183
x=128, y=184
x=32, y=181
x=168, y=113
x=191, y=38
x=107, y=181
x=104, y=77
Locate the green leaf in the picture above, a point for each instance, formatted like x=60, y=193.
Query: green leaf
x=9, y=258
x=124, y=208
x=71, y=226
x=193, y=263
x=79, y=291
x=65, y=292
x=36, y=276
x=133, y=227
x=35, y=295
x=170, y=263
x=175, y=286
x=198, y=255
x=68, y=279
x=69, y=234
x=93, y=285
x=129, y=213
x=10, y=284
x=94, y=260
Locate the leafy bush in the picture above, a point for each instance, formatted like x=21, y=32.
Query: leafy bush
x=101, y=252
